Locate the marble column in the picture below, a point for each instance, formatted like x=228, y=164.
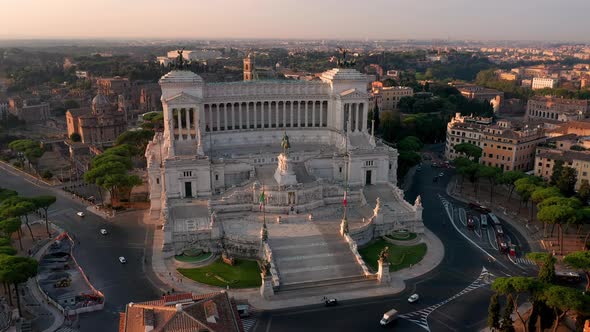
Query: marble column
x=306, y=113
x=291, y=113
x=233, y=116
x=187, y=117
x=171, y=124
x=277, y=111
x=240, y=115
x=255, y=111
x=349, y=125
x=313, y=123
x=284, y=113
x=196, y=118
x=179, y=116
x=321, y=113
x=210, y=117
x=365, y=116
x=357, y=107
x=225, y=120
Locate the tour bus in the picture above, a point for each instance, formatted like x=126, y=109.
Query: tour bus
x=494, y=219
x=568, y=276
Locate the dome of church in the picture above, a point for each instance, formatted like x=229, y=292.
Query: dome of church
x=100, y=103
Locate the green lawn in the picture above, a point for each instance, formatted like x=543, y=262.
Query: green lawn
x=402, y=236
x=193, y=259
x=243, y=274
x=400, y=257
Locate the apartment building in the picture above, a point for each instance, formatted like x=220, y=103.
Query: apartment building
x=539, y=83
x=507, y=145
x=387, y=98
x=560, y=149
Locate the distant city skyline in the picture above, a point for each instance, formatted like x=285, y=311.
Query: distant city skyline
x=543, y=20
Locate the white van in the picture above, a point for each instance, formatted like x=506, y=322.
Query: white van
x=388, y=317
x=243, y=310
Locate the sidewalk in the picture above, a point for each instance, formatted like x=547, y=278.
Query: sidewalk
x=528, y=231
x=167, y=278
x=37, y=296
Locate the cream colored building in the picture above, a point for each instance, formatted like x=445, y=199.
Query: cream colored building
x=387, y=98
x=506, y=145
x=544, y=82
x=559, y=149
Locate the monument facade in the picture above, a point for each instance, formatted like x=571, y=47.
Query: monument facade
x=230, y=152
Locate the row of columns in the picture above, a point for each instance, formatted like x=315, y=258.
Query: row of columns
x=355, y=116
x=266, y=115
x=187, y=131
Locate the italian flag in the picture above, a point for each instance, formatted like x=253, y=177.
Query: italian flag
x=344, y=200
x=261, y=200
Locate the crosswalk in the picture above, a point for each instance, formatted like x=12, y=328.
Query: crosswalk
x=524, y=261
x=249, y=322
x=420, y=317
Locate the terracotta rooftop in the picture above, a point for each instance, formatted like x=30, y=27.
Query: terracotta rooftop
x=214, y=312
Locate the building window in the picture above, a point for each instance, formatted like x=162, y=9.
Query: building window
x=216, y=177
x=368, y=163
x=584, y=173
x=157, y=180
x=187, y=173
x=340, y=169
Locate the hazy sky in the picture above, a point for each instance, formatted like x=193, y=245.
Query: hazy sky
x=565, y=20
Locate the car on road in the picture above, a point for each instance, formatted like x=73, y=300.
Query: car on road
x=419, y=168
x=413, y=298
x=243, y=310
x=80, y=214
x=103, y=231
x=484, y=221
x=388, y=317
x=122, y=260
x=330, y=302
x=441, y=174
x=470, y=223
x=479, y=208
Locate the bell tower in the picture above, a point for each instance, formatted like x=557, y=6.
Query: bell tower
x=248, y=68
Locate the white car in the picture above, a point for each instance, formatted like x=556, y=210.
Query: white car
x=80, y=214
x=103, y=231
x=441, y=174
x=122, y=260
x=413, y=298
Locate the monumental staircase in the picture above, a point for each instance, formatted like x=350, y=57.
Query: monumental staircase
x=317, y=260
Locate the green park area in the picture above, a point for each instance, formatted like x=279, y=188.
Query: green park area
x=399, y=258
x=243, y=274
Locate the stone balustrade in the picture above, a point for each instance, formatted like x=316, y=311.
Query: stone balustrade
x=357, y=256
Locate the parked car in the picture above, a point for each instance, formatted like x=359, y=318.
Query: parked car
x=122, y=260
x=80, y=214
x=413, y=298
x=441, y=174
x=103, y=231
x=484, y=221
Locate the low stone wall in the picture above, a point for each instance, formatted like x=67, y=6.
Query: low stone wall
x=354, y=248
x=267, y=251
x=248, y=248
x=363, y=234
x=408, y=243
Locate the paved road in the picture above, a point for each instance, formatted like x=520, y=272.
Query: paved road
x=98, y=254
x=440, y=308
